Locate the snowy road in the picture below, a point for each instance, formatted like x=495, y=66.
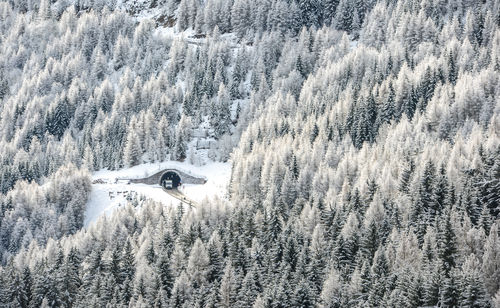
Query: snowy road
x=181, y=197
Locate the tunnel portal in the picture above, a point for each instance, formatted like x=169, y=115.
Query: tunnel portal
x=172, y=176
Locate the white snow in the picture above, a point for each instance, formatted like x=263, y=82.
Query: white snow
x=107, y=195
x=105, y=198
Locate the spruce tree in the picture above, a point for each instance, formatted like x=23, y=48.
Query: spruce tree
x=58, y=117
x=228, y=288
x=303, y=296
x=329, y=10
x=132, y=152
x=343, y=16
x=379, y=273
x=446, y=242
x=472, y=289
x=4, y=84
x=491, y=261
x=165, y=275
x=312, y=12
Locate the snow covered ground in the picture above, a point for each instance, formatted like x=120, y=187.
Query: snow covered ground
x=107, y=195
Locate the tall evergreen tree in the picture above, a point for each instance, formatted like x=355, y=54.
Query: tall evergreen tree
x=132, y=152
x=344, y=15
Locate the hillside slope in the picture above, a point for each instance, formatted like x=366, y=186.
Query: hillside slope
x=363, y=139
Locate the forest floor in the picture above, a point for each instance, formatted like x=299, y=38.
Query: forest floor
x=108, y=194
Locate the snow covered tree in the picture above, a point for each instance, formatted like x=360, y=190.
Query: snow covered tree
x=221, y=112
x=473, y=291
x=331, y=294
x=240, y=17
x=344, y=15
x=227, y=291
x=121, y=52
x=198, y=264
x=58, y=117
x=132, y=152
x=4, y=84
x=312, y=12
x=491, y=261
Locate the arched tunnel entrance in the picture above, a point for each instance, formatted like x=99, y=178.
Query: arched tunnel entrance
x=170, y=180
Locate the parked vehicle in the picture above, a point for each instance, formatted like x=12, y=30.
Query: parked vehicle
x=168, y=184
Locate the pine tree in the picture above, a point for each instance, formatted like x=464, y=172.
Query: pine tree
x=409, y=103
x=332, y=291
x=58, y=117
x=4, y=84
x=469, y=200
x=452, y=68
x=27, y=283
x=329, y=10
x=165, y=275
x=441, y=192
x=491, y=261
x=132, y=152
x=422, y=210
x=121, y=52
x=343, y=16
x=221, y=115
x=288, y=189
x=472, y=288
x=312, y=12
x=427, y=87
x=347, y=245
x=53, y=280
x=44, y=12
x=303, y=295
x=127, y=264
x=370, y=240
x=405, y=293
x=240, y=17
x=317, y=262
x=386, y=111
x=431, y=284
x=406, y=174
x=70, y=278
x=238, y=75
x=181, y=292
x=198, y=264
x=216, y=260
x=228, y=288
x=379, y=273
x=446, y=242
x=183, y=18
x=180, y=147
x=490, y=183
x=16, y=291
x=250, y=288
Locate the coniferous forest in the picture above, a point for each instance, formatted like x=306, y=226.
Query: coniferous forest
x=363, y=138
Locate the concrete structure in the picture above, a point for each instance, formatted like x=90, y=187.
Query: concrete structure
x=175, y=175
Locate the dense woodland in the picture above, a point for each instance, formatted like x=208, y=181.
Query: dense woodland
x=364, y=137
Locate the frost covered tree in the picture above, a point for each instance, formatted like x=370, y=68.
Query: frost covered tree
x=362, y=135
x=491, y=261
x=132, y=151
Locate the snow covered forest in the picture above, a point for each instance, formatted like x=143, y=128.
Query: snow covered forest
x=364, y=139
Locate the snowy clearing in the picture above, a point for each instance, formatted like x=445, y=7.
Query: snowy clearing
x=107, y=195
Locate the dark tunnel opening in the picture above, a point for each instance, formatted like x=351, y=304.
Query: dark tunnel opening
x=170, y=176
